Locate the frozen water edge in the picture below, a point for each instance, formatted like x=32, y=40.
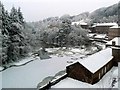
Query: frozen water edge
x=19, y=63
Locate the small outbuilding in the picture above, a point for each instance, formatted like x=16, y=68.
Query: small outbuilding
x=93, y=68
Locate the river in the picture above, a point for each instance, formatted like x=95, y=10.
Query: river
x=29, y=75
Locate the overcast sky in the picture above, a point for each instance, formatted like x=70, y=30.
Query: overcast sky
x=35, y=10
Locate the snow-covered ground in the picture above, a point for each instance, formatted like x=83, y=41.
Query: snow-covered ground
x=25, y=60
x=1, y=68
x=96, y=35
x=106, y=82
x=20, y=62
x=100, y=36
x=72, y=51
x=116, y=39
x=0, y=80
x=29, y=75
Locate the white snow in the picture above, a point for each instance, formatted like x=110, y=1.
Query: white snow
x=0, y=80
x=117, y=41
x=50, y=50
x=115, y=73
x=100, y=36
x=71, y=51
x=29, y=75
x=105, y=24
x=97, y=60
x=105, y=82
x=1, y=68
x=115, y=26
x=97, y=36
x=25, y=60
x=57, y=77
x=79, y=23
x=75, y=50
x=91, y=34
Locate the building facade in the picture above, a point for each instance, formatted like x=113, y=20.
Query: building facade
x=93, y=68
x=79, y=72
x=103, y=28
x=113, y=32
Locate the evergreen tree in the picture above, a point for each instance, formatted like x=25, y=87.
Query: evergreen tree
x=14, y=15
x=13, y=42
x=5, y=34
x=20, y=15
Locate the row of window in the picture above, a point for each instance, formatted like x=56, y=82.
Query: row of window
x=104, y=70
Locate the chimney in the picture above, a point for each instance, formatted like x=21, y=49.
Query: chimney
x=113, y=43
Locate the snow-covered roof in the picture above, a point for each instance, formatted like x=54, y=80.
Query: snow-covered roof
x=105, y=24
x=79, y=23
x=98, y=60
x=115, y=26
x=97, y=35
x=91, y=34
x=117, y=41
x=100, y=36
x=83, y=23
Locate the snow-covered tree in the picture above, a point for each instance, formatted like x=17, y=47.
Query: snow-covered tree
x=14, y=15
x=20, y=15
x=13, y=42
x=64, y=31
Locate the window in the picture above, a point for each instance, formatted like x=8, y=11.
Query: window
x=102, y=71
x=105, y=69
x=99, y=75
x=108, y=66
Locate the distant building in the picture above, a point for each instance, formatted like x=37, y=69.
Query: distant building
x=84, y=25
x=103, y=28
x=92, y=29
x=114, y=32
x=81, y=23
